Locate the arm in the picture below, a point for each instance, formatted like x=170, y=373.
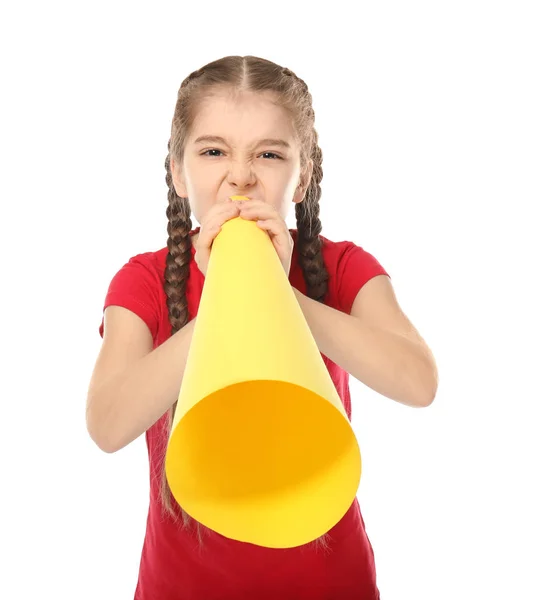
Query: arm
x=376, y=344
x=132, y=386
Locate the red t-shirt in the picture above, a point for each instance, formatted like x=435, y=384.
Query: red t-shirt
x=173, y=565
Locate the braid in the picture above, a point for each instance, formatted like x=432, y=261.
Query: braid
x=178, y=257
x=176, y=275
x=309, y=247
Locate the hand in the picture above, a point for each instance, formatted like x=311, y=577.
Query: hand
x=213, y=220
x=270, y=220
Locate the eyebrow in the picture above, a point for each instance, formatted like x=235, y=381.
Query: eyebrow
x=216, y=139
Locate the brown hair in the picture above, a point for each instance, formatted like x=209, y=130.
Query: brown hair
x=253, y=74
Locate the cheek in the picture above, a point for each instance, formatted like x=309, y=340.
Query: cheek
x=200, y=203
x=289, y=189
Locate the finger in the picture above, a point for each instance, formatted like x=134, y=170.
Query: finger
x=221, y=212
x=209, y=232
x=275, y=229
x=212, y=226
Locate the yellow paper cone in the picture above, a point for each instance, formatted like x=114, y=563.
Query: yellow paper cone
x=261, y=448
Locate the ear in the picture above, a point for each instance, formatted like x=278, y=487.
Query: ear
x=178, y=179
x=305, y=180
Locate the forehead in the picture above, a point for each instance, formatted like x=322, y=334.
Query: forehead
x=235, y=115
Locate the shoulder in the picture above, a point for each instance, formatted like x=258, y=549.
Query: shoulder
x=146, y=266
x=150, y=259
x=154, y=261
x=136, y=285
x=349, y=266
x=342, y=254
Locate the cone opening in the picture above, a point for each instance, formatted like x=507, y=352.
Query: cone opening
x=264, y=460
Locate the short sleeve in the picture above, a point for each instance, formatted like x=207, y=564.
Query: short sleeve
x=355, y=267
x=136, y=287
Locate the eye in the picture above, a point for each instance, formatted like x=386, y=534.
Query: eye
x=210, y=150
x=276, y=156
x=272, y=153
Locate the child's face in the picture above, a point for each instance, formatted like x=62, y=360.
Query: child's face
x=240, y=165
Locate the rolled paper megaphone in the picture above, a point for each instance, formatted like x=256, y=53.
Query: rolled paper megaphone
x=261, y=449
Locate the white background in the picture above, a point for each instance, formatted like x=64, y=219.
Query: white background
x=426, y=113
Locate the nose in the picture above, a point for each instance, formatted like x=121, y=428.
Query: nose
x=241, y=175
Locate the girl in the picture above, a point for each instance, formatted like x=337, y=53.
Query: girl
x=245, y=126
